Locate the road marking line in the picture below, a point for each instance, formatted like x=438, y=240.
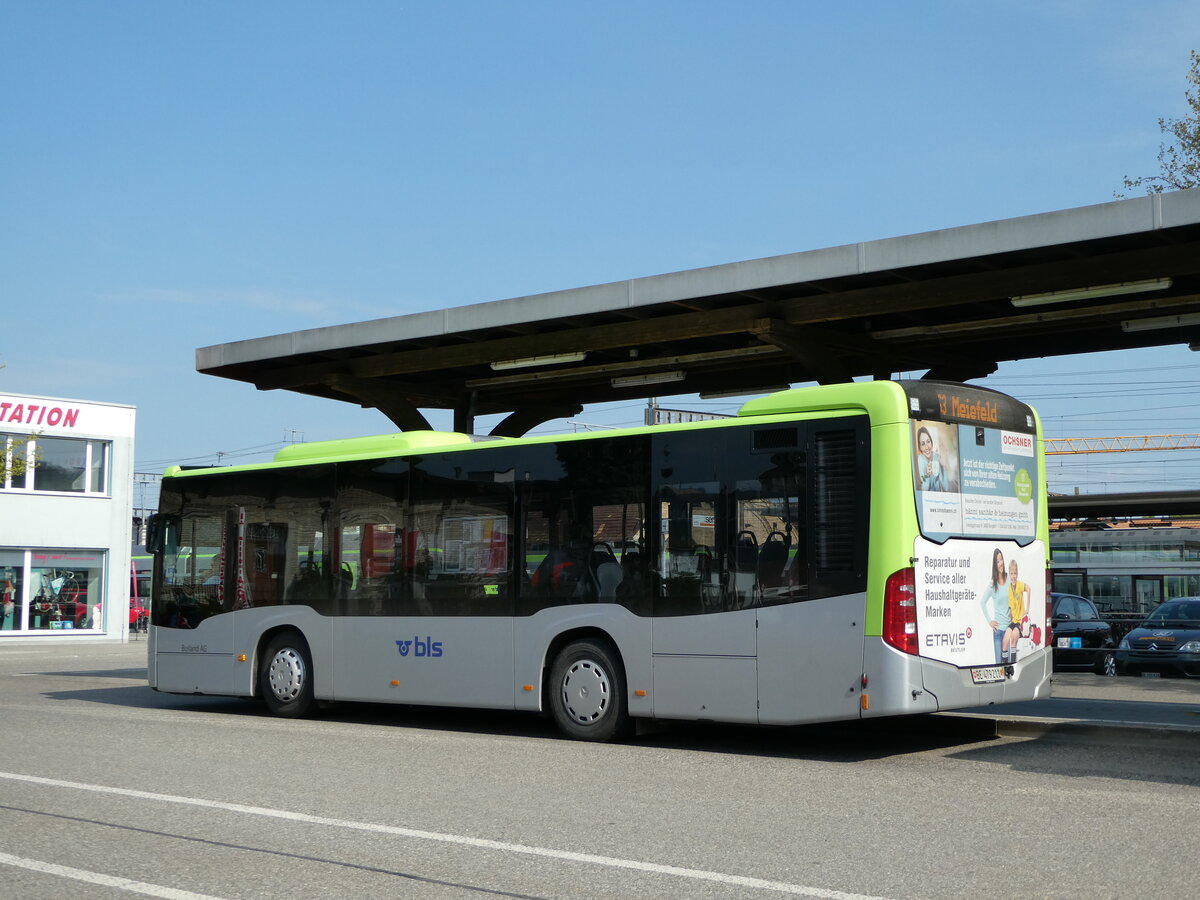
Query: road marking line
x=781, y=887
x=114, y=881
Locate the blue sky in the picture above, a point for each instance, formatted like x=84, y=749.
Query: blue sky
x=175, y=175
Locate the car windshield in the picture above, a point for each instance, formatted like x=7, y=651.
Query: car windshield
x=1179, y=613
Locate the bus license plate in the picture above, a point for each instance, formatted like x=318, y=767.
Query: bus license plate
x=987, y=675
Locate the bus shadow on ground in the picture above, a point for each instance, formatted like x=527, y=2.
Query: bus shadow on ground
x=138, y=673
x=1146, y=756
x=840, y=742
x=848, y=742
x=141, y=696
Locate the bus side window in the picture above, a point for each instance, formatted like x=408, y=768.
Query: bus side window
x=462, y=524
x=583, y=506
x=839, y=504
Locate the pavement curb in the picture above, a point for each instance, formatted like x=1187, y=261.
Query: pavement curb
x=1077, y=730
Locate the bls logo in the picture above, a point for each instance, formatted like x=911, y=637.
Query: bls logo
x=427, y=647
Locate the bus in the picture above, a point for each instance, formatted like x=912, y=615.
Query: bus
x=830, y=553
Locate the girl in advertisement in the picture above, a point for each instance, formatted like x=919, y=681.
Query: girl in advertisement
x=994, y=603
x=1018, y=609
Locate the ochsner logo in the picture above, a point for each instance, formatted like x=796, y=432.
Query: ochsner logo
x=1017, y=444
x=418, y=647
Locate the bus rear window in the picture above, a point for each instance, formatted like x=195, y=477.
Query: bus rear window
x=975, y=471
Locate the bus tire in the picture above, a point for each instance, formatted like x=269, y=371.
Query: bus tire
x=285, y=676
x=587, y=692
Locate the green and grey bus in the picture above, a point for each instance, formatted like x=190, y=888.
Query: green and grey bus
x=830, y=553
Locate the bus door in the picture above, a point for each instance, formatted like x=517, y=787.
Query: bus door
x=193, y=646
x=812, y=498
x=704, y=640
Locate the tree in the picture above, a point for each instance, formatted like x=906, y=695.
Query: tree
x=14, y=458
x=1179, y=159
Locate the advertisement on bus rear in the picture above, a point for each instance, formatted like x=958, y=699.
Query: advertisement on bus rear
x=974, y=481
x=980, y=603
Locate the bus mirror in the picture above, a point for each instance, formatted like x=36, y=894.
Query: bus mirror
x=162, y=533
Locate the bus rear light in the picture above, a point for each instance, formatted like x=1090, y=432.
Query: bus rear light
x=900, y=611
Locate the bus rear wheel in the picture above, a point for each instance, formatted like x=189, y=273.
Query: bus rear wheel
x=285, y=676
x=587, y=692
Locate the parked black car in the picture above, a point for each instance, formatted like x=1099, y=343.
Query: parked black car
x=1081, y=638
x=1167, y=641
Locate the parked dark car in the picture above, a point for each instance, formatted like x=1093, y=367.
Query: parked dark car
x=1082, y=639
x=1167, y=641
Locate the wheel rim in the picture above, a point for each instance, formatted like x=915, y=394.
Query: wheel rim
x=1110, y=665
x=586, y=692
x=286, y=674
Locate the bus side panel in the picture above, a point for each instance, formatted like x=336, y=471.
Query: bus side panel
x=705, y=667
x=198, y=660
x=810, y=658
x=717, y=688
x=445, y=661
x=533, y=635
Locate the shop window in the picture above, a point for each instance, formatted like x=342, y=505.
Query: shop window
x=59, y=465
x=1112, y=593
x=12, y=589
x=51, y=590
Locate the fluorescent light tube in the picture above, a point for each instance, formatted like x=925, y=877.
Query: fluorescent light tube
x=529, y=361
x=1156, y=323
x=652, y=378
x=1088, y=293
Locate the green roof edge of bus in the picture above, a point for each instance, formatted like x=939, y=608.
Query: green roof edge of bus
x=885, y=400
x=877, y=395
x=373, y=445
x=396, y=443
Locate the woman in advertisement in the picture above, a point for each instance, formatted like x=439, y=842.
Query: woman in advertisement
x=930, y=471
x=994, y=603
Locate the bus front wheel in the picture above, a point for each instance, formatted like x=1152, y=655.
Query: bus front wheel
x=285, y=676
x=587, y=692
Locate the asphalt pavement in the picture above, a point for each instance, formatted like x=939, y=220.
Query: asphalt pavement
x=1090, y=706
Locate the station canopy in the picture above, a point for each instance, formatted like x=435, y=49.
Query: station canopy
x=952, y=304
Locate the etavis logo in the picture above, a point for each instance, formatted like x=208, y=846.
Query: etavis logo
x=418, y=647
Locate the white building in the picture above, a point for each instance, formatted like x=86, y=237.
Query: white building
x=65, y=519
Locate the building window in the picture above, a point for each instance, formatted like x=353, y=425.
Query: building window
x=51, y=590
x=55, y=465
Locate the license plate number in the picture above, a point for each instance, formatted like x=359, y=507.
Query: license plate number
x=987, y=675
x=1151, y=674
